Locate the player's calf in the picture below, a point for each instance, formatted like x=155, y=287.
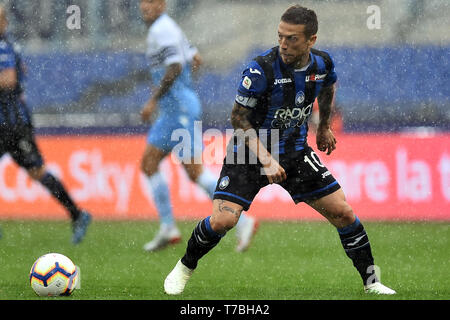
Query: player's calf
x=356, y=245
x=202, y=240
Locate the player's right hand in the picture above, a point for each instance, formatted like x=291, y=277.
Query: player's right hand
x=274, y=171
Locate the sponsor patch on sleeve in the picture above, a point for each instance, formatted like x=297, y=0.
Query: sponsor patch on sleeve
x=246, y=83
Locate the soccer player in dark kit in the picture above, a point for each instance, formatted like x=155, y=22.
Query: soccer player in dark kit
x=276, y=93
x=17, y=133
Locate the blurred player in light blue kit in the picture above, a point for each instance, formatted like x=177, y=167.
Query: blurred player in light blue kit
x=172, y=59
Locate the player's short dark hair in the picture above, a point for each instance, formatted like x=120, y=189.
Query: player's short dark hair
x=296, y=14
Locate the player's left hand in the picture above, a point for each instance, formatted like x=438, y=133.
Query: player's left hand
x=148, y=110
x=325, y=140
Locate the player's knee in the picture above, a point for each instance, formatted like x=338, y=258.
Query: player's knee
x=148, y=167
x=36, y=173
x=342, y=215
x=144, y=166
x=222, y=223
x=193, y=175
x=151, y=160
x=193, y=171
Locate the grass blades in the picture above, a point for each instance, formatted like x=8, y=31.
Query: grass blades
x=287, y=261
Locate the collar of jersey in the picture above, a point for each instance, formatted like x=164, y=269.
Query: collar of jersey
x=162, y=16
x=305, y=68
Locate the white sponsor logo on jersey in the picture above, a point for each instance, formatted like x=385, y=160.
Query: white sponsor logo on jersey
x=315, y=77
x=291, y=117
x=281, y=81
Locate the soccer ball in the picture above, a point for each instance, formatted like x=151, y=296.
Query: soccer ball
x=54, y=274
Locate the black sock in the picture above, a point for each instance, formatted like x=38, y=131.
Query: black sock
x=356, y=244
x=202, y=240
x=59, y=192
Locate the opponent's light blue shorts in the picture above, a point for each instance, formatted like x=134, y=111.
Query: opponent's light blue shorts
x=179, y=131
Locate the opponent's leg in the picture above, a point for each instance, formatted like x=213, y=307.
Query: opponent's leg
x=353, y=237
x=245, y=230
x=168, y=232
x=205, y=236
x=80, y=218
x=21, y=145
x=55, y=187
x=202, y=177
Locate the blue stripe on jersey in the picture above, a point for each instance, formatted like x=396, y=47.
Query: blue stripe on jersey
x=320, y=66
x=300, y=87
x=233, y=195
x=277, y=100
x=277, y=97
x=307, y=195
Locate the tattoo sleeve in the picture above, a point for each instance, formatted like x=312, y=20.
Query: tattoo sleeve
x=325, y=100
x=240, y=121
x=239, y=117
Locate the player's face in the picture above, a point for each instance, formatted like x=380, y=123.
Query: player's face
x=294, y=45
x=151, y=9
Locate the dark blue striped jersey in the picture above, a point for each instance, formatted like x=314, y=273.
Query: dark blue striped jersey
x=13, y=110
x=281, y=97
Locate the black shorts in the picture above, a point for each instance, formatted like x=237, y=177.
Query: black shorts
x=307, y=179
x=20, y=143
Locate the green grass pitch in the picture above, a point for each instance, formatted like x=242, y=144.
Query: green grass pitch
x=287, y=261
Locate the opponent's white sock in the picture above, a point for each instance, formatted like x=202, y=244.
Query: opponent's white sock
x=161, y=196
x=207, y=182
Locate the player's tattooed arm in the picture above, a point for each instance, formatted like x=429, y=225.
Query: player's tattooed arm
x=241, y=124
x=239, y=117
x=325, y=139
x=325, y=101
x=243, y=129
